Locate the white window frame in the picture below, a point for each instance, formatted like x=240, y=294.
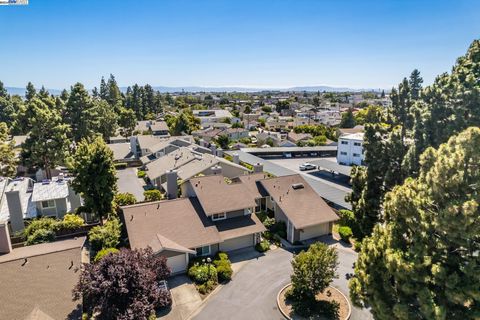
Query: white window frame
x=203, y=253
x=50, y=204
x=219, y=216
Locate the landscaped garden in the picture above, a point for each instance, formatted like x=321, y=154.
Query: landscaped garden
x=207, y=272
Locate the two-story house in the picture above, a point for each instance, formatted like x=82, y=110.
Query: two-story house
x=350, y=149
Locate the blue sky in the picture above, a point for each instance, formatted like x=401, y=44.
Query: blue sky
x=260, y=43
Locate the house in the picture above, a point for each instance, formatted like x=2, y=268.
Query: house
x=122, y=152
x=145, y=145
x=212, y=115
x=211, y=133
x=350, y=149
x=189, y=163
x=22, y=199
x=37, y=280
x=215, y=216
x=267, y=136
x=345, y=131
x=297, y=137
x=155, y=127
x=294, y=201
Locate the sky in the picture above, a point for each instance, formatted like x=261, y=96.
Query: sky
x=249, y=43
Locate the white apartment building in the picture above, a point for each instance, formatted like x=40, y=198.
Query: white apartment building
x=350, y=149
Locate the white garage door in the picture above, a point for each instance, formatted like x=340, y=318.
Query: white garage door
x=315, y=231
x=237, y=243
x=177, y=263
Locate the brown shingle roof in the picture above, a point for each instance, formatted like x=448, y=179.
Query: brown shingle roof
x=216, y=196
x=303, y=206
x=239, y=226
x=180, y=220
x=42, y=287
x=251, y=182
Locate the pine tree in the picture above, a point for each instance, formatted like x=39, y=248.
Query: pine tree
x=3, y=91
x=348, y=119
x=415, y=83
x=127, y=121
x=8, y=159
x=47, y=144
x=105, y=120
x=423, y=261
x=114, y=96
x=31, y=92
x=80, y=113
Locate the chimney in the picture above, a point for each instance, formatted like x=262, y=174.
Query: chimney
x=216, y=170
x=236, y=158
x=172, y=187
x=15, y=209
x=133, y=146
x=257, y=167
x=202, y=143
x=214, y=149
x=5, y=244
x=220, y=152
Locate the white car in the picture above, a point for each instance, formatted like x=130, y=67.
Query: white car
x=307, y=166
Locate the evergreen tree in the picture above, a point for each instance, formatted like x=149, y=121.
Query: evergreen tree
x=423, y=261
x=415, y=83
x=47, y=144
x=348, y=119
x=3, y=91
x=31, y=92
x=8, y=160
x=114, y=96
x=103, y=89
x=80, y=113
x=105, y=119
x=127, y=121
x=94, y=173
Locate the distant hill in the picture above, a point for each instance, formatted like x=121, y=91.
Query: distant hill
x=164, y=89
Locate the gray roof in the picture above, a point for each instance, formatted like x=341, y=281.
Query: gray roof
x=290, y=149
x=22, y=185
x=121, y=151
x=50, y=190
x=331, y=165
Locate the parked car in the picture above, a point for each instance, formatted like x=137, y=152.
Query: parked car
x=307, y=166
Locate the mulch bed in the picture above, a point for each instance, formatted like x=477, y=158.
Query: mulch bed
x=334, y=295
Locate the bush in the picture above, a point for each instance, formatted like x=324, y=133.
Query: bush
x=280, y=228
x=345, y=233
x=41, y=236
x=124, y=199
x=121, y=165
x=43, y=223
x=221, y=256
x=269, y=222
x=141, y=174
x=223, y=266
x=199, y=273
x=102, y=253
x=262, y=246
x=106, y=236
x=346, y=217
x=153, y=195
x=71, y=221
x=206, y=287
x=262, y=215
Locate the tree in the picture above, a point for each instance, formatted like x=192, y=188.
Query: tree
x=31, y=92
x=348, y=120
x=415, y=83
x=223, y=141
x=125, y=199
x=124, y=285
x=313, y=271
x=105, y=121
x=185, y=122
x=422, y=262
x=3, y=91
x=94, y=172
x=370, y=114
x=127, y=121
x=47, y=145
x=113, y=96
x=80, y=113
x=8, y=160
x=153, y=195
x=106, y=236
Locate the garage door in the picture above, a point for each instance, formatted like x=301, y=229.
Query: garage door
x=177, y=263
x=315, y=231
x=237, y=243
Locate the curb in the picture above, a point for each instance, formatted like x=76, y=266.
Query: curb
x=329, y=287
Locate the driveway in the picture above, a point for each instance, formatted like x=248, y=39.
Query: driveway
x=185, y=299
x=129, y=182
x=252, y=293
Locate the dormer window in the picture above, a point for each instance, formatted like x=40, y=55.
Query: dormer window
x=219, y=216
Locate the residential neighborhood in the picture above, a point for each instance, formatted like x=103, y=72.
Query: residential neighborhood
x=209, y=160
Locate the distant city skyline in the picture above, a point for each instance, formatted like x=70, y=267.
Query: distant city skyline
x=250, y=44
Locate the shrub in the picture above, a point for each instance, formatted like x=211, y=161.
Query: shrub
x=121, y=165
x=71, y=221
x=106, y=236
x=262, y=215
x=43, y=223
x=221, y=256
x=269, y=222
x=199, y=273
x=41, y=236
x=206, y=287
x=224, y=271
x=280, y=228
x=346, y=217
x=357, y=246
x=345, y=233
x=141, y=174
x=153, y=195
x=262, y=246
x=124, y=199
x=102, y=253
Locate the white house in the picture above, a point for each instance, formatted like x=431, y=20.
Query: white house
x=350, y=149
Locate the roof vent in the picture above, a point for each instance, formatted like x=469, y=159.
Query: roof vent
x=46, y=181
x=296, y=186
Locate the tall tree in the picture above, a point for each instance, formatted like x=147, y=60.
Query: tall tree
x=3, y=91
x=47, y=143
x=348, y=119
x=80, y=113
x=8, y=159
x=31, y=92
x=114, y=96
x=415, y=83
x=127, y=121
x=423, y=261
x=94, y=173
x=105, y=119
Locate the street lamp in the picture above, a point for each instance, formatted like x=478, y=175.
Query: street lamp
x=208, y=262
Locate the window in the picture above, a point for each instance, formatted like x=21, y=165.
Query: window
x=356, y=155
x=343, y=153
x=203, y=251
x=357, y=144
x=48, y=204
x=219, y=216
x=344, y=142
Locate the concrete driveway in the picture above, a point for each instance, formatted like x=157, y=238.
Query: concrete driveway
x=253, y=290
x=185, y=299
x=129, y=182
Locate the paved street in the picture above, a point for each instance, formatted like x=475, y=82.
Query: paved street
x=252, y=292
